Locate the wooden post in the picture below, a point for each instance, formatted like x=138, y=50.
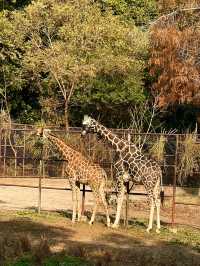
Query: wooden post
x=174, y=186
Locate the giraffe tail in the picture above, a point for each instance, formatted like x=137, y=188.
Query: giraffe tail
x=162, y=196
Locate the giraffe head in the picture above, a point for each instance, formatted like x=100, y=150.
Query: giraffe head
x=89, y=125
x=42, y=132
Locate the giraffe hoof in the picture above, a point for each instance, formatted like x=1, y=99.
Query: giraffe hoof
x=115, y=226
x=148, y=230
x=158, y=231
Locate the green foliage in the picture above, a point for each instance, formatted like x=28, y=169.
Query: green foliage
x=65, y=261
x=9, y=55
x=52, y=261
x=139, y=11
x=74, y=46
x=13, y=4
x=13, y=91
x=80, y=55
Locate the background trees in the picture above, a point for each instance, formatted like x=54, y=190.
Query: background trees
x=174, y=60
x=61, y=59
x=70, y=46
x=13, y=4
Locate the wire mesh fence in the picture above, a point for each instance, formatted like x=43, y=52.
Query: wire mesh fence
x=23, y=156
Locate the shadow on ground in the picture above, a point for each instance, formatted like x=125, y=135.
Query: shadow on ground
x=100, y=245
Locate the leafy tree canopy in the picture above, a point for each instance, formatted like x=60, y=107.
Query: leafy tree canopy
x=73, y=47
x=139, y=11
x=13, y=4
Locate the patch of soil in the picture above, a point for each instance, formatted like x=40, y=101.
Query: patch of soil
x=96, y=243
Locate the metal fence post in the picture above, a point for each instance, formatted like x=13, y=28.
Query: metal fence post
x=127, y=204
x=0, y=148
x=83, y=190
x=41, y=174
x=127, y=192
x=4, y=154
x=40, y=186
x=83, y=201
x=174, y=186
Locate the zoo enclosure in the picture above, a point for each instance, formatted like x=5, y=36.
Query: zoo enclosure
x=22, y=157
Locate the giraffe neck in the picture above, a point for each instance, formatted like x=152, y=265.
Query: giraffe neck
x=118, y=143
x=64, y=149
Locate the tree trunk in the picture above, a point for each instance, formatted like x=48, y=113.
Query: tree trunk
x=66, y=117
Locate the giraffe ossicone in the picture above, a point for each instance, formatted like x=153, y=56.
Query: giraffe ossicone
x=80, y=170
x=132, y=165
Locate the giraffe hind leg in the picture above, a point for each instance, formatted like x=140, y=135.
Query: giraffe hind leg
x=120, y=199
x=157, y=202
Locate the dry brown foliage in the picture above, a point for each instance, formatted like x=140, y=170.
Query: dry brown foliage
x=175, y=61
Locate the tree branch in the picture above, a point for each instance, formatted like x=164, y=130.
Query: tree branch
x=172, y=14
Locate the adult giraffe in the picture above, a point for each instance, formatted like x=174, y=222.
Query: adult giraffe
x=80, y=170
x=131, y=165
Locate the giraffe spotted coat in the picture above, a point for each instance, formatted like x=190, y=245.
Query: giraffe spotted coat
x=80, y=170
x=131, y=165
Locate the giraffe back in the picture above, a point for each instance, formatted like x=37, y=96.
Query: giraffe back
x=84, y=170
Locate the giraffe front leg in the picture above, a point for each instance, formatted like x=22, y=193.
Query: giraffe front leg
x=120, y=199
x=151, y=216
x=73, y=188
x=78, y=201
x=93, y=214
x=158, y=215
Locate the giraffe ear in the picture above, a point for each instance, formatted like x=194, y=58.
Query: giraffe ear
x=86, y=119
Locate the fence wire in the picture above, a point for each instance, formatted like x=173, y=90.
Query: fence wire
x=21, y=155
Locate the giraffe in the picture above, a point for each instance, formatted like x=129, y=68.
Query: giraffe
x=80, y=170
x=131, y=165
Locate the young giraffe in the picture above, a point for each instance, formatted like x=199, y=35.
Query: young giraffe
x=132, y=165
x=80, y=170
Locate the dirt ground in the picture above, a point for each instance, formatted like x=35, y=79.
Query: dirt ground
x=119, y=247
x=14, y=197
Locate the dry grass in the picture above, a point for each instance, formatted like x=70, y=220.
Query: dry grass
x=188, y=158
x=42, y=251
x=13, y=247
x=158, y=149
